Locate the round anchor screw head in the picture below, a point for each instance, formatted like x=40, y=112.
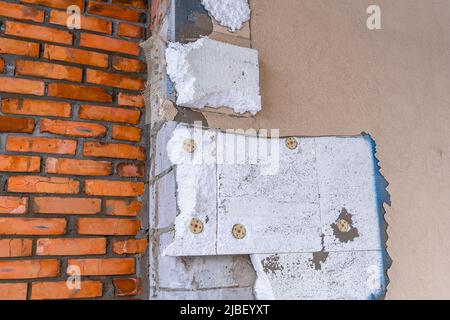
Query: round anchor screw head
x=291, y=143
x=343, y=225
x=189, y=145
x=239, y=231
x=196, y=226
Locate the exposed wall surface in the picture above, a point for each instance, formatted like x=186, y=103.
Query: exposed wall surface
x=324, y=73
x=72, y=151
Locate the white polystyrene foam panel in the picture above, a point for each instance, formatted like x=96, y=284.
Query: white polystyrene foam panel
x=229, y=13
x=293, y=210
x=214, y=74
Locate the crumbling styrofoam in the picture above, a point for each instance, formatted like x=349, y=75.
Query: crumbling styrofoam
x=313, y=230
x=319, y=183
x=196, y=192
x=214, y=74
x=229, y=13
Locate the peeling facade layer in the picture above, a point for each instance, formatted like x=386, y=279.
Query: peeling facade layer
x=316, y=211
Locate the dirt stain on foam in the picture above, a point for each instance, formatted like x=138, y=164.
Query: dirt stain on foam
x=272, y=264
x=343, y=228
x=319, y=257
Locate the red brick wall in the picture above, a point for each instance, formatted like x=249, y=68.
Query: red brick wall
x=71, y=149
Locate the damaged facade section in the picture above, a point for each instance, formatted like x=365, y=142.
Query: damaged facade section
x=289, y=215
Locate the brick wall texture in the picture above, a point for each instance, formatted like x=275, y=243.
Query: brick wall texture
x=72, y=153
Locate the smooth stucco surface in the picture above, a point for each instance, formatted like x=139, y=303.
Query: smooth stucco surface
x=324, y=73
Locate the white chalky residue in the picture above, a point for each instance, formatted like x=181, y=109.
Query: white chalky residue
x=229, y=13
x=209, y=73
x=196, y=192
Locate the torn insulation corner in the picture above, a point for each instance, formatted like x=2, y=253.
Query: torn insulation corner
x=209, y=73
x=229, y=13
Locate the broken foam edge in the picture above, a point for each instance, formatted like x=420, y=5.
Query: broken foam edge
x=180, y=86
x=383, y=197
x=229, y=15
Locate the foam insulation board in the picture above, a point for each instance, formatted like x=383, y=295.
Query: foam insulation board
x=312, y=190
x=354, y=275
x=214, y=74
x=311, y=223
x=229, y=13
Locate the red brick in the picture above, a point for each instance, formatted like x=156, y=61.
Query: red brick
x=111, y=227
x=127, y=287
x=14, y=124
x=20, y=12
x=114, y=188
x=114, y=11
x=114, y=80
x=48, y=70
x=13, y=205
x=123, y=207
x=19, y=163
x=130, y=30
x=128, y=65
x=36, y=107
x=109, y=44
x=22, y=48
x=109, y=114
x=140, y=4
x=59, y=290
x=36, y=184
x=73, y=128
x=60, y=4
x=131, y=246
x=79, y=56
x=86, y=23
x=126, y=133
x=131, y=170
x=40, y=145
x=29, y=269
x=55, y=205
x=112, y=150
x=13, y=291
x=103, y=267
x=76, y=92
x=24, y=30
x=32, y=226
x=130, y=100
x=2, y=65
x=78, y=167
x=15, y=248
x=25, y=86
x=70, y=246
